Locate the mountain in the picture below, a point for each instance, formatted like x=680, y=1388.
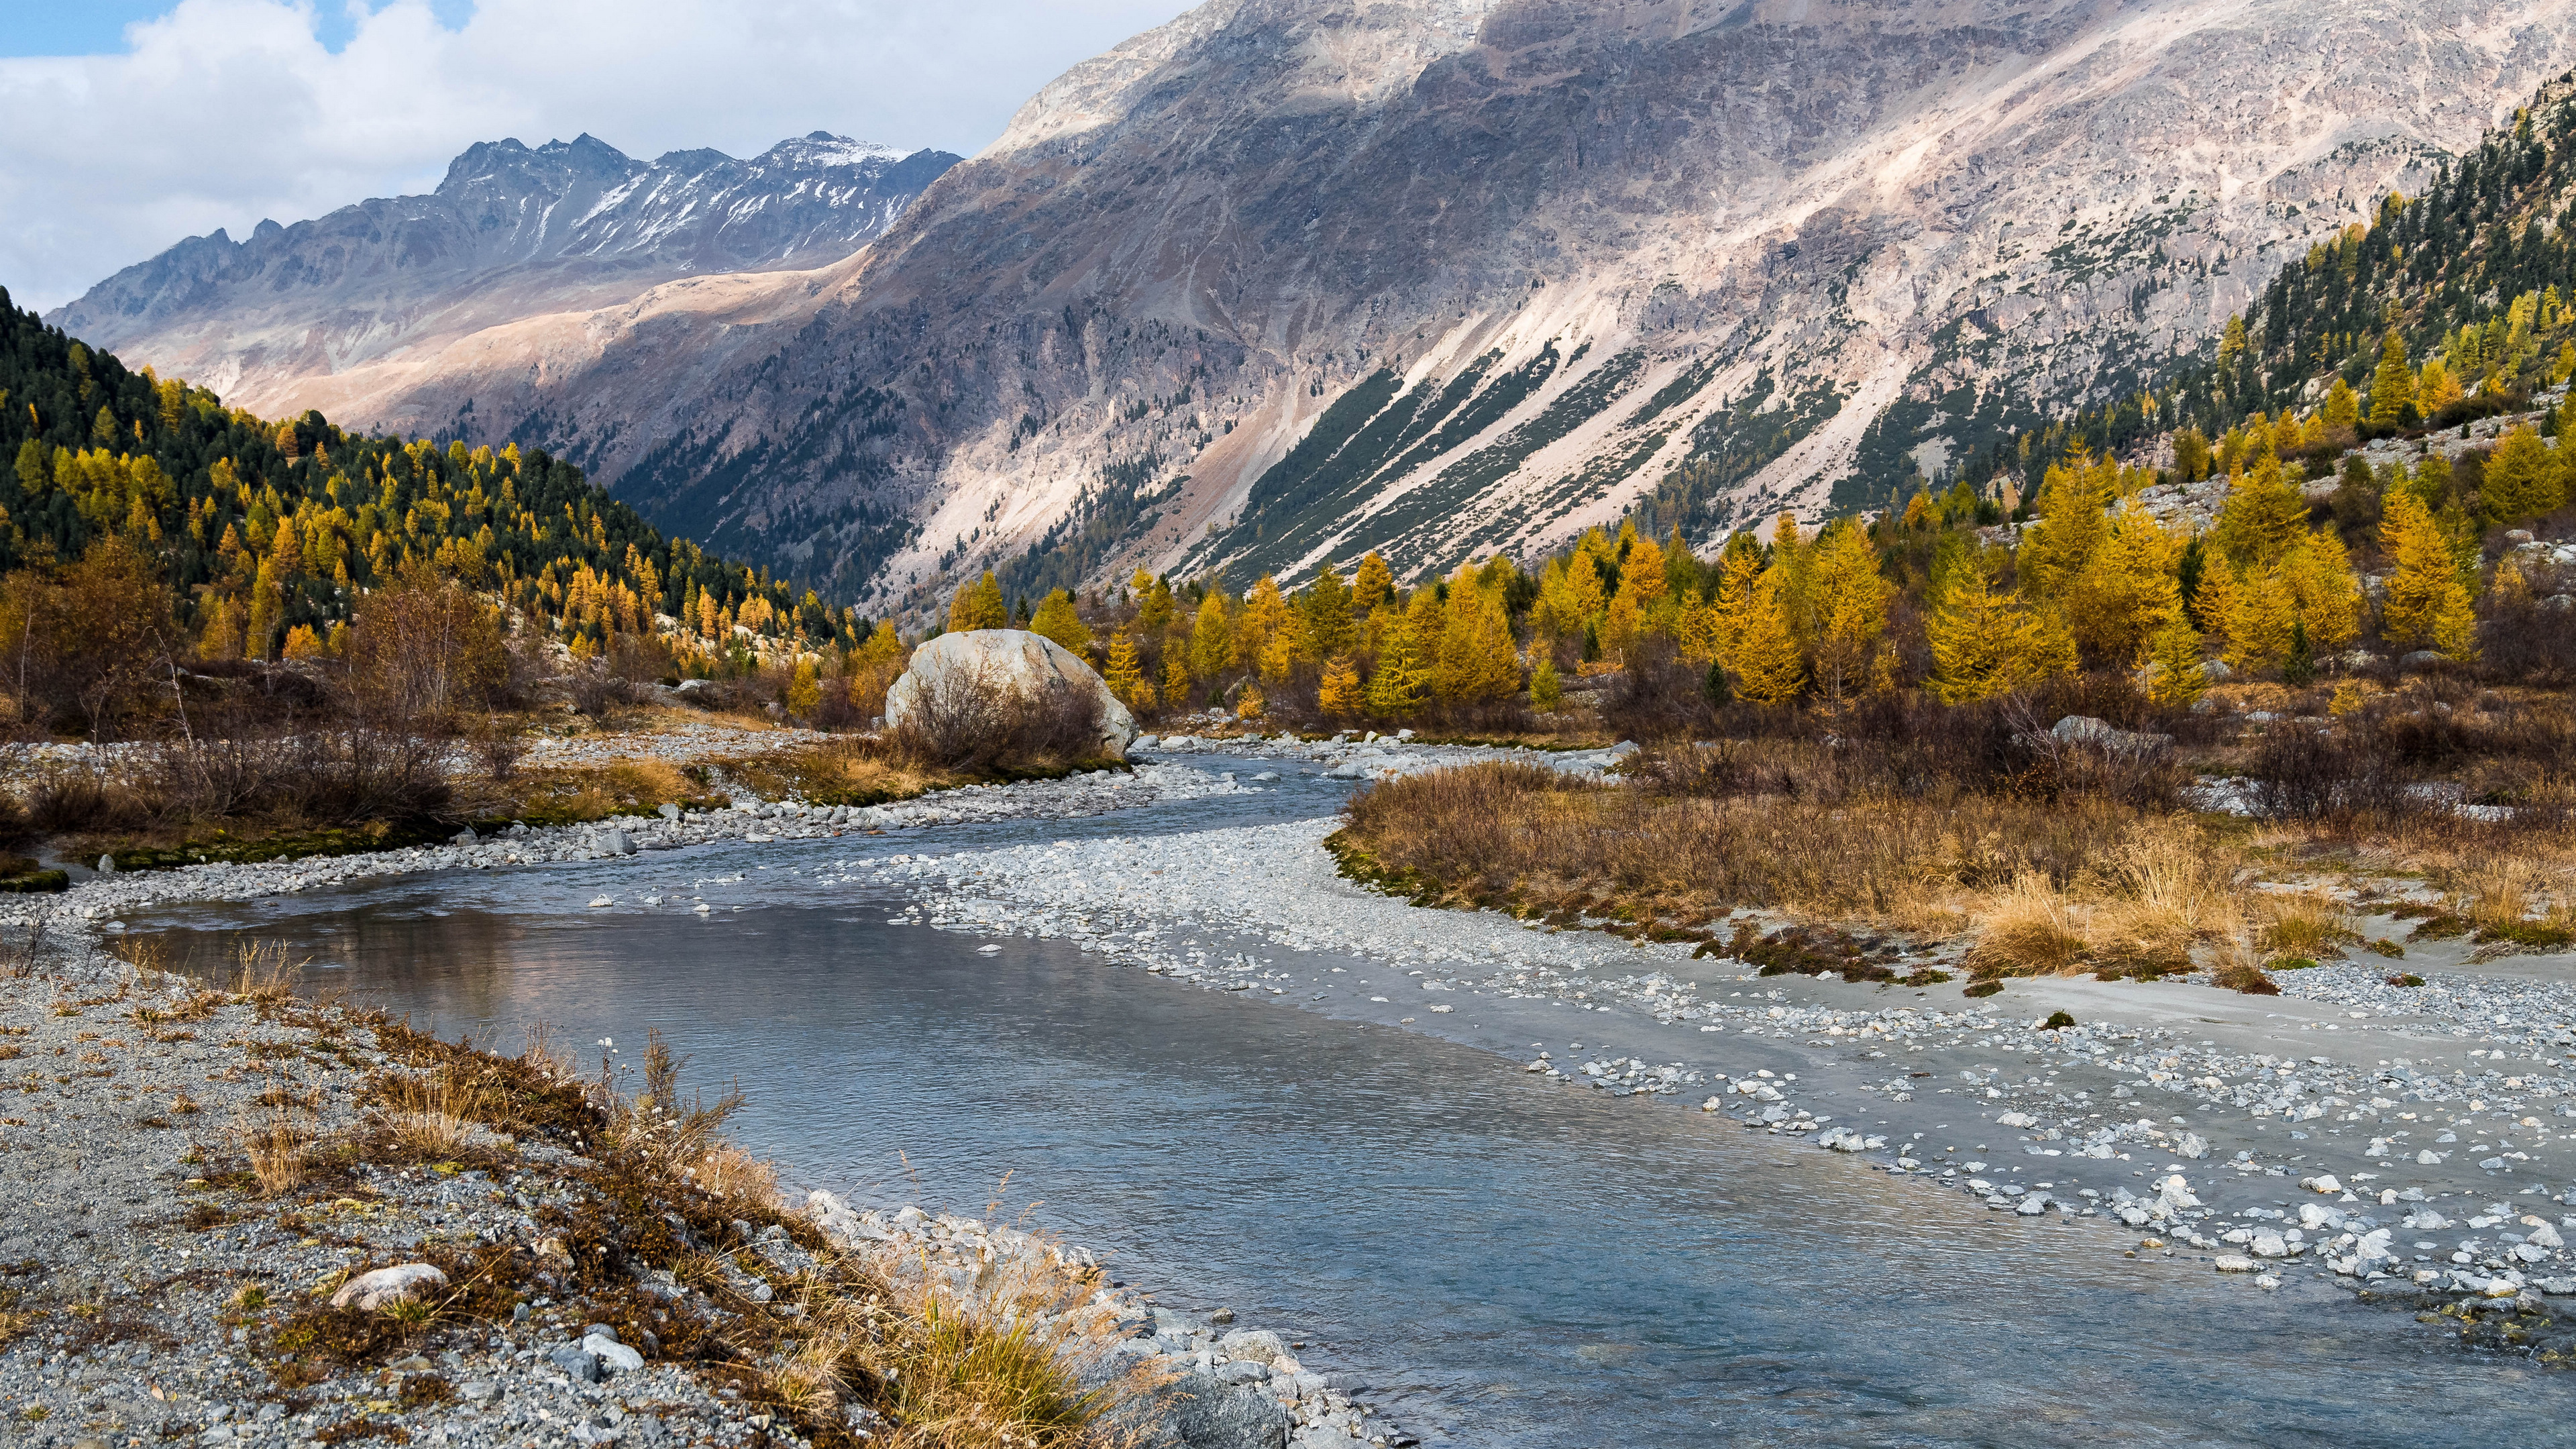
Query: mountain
x=1285, y=280
x=317, y=314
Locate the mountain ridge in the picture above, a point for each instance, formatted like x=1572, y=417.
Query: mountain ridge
x=1531, y=261
x=510, y=231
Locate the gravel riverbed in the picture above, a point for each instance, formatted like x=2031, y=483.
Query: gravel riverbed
x=2397, y=1137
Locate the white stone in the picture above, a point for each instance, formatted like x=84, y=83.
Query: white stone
x=387, y=1286
x=612, y=1355
x=2233, y=1263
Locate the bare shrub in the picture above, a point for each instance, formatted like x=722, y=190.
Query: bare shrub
x=1658, y=696
x=316, y=776
x=969, y=720
x=2316, y=775
x=71, y=800
x=421, y=649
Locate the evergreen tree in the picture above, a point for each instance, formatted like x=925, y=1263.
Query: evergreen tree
x=2299, y=666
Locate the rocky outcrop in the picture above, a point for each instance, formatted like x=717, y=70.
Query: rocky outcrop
x=1004, y=664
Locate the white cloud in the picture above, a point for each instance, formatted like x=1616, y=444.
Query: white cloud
x=223, y=112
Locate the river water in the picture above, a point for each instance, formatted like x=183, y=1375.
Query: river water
x=1507, y=1262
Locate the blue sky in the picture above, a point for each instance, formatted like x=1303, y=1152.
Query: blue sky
x=97, y=27
x=131, y=124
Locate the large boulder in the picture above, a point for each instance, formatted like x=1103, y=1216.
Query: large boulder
x=1011, y=660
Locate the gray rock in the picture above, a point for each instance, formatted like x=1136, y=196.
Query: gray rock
x=1258, y=1344
x=577, y=1363
x=478, y=1391
x=107, y=865
x=1211, y=1414
x=614, y=1357
x=1010, y=660
x=2421, y=659
x=466, y=837
x=670, y=812
x=617, y=842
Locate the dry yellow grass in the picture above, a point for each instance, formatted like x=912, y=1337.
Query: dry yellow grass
x=263, y=976
x=433, y=1115
x=280, y=1151
x=2309, y=923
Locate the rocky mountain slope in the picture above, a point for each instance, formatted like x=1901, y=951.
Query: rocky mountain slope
x=323, y=312
x=1285, y=280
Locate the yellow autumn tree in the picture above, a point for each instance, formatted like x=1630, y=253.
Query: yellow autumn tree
x=2392, y=387
x=1374, y=582
x=1058, y=620
x=2263, y=515
x=1851, y=607
x=1986, y=643
x=1769, y=668
x=2260, y=615
x=1477, y=660
x=1211, y=638
x=979, y=605
x=1402, y=683
x=1126, y=677
x=1338, y=695
x=1546, y=691
x=2425, y=596
x=2176, y=676
x=2068, y=523
x=1265, y=618
x=2127, y=592
x=2323, y=589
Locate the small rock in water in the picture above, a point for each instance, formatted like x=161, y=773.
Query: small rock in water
x=603, y=901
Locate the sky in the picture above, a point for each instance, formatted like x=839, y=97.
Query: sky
x=130, y=124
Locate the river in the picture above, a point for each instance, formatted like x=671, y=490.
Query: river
x=1506, y=1261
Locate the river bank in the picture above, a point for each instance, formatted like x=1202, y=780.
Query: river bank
x=247, y=1219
